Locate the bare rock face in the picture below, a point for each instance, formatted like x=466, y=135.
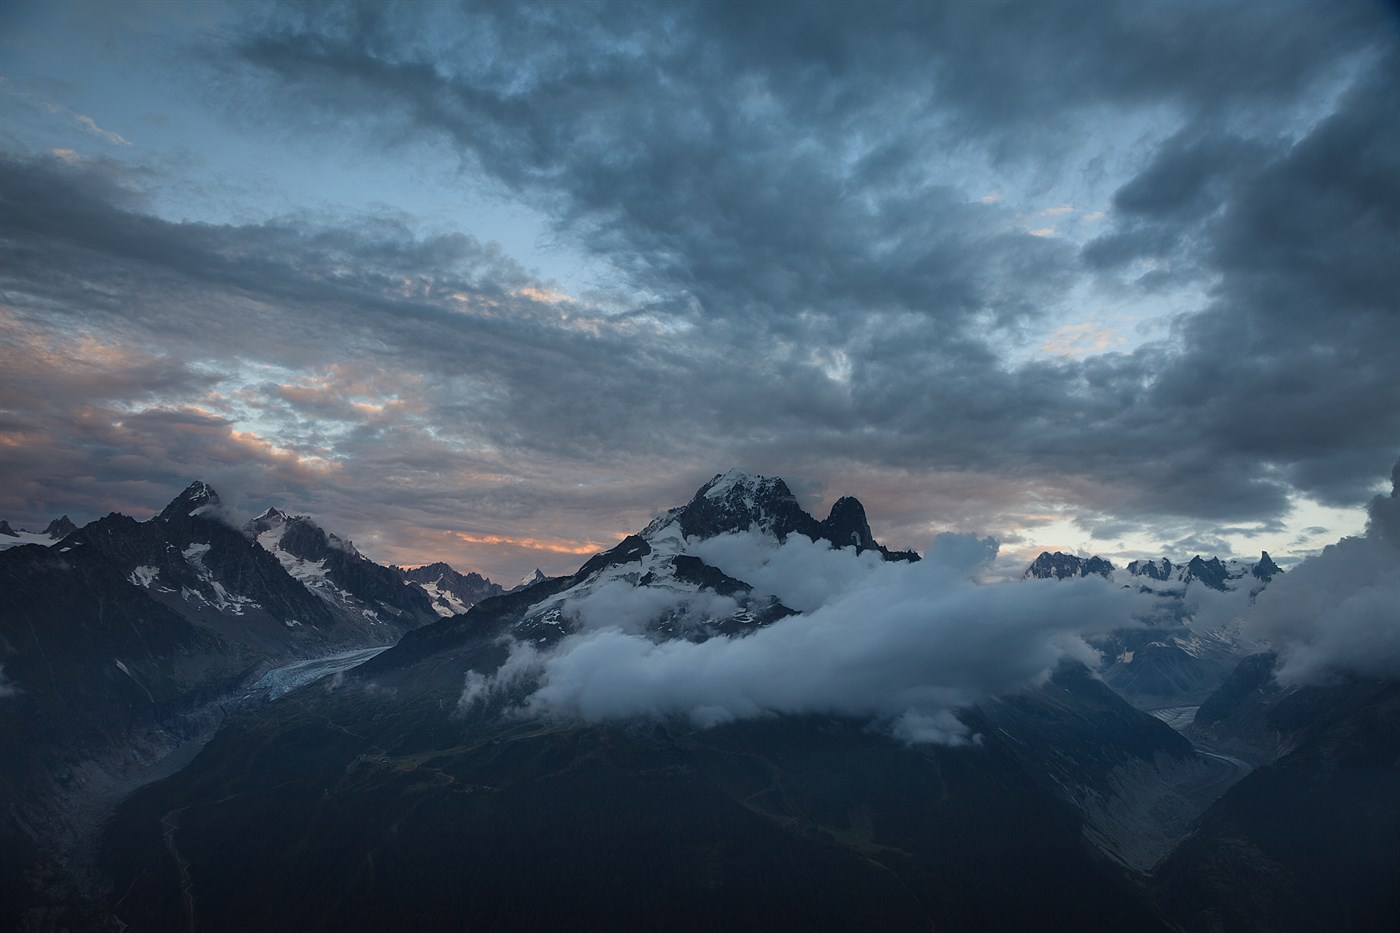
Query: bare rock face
x=451, y=592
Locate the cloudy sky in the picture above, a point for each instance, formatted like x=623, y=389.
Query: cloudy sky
x=495, y=283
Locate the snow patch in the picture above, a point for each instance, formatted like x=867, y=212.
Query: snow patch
x=195, y=555
x=25, y=537
x=144, y=576
x=445, y=602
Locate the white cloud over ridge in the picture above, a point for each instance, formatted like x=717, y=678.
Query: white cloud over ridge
x=1338, y=612
x=904, y=644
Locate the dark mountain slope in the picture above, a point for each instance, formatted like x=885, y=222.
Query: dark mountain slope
x=121, y=644
x=376, y=809
x=1311, y=841
x=382, y=801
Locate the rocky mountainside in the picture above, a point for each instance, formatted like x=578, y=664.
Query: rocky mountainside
x=1308, y=841
x=433, y=782
x=452, y=593
x=120, y=642
x=335, y=571
x=366, y=789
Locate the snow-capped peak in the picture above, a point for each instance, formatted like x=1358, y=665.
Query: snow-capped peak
x=200, y=491
x=198, y=497
x=1217, y=574
x=297, y=534
x=1059, y=566
x=739, y=501
x=529, y=580
x=721, y=485
x=1161, y=575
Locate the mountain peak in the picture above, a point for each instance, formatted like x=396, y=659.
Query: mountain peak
x=1160, y=570
x=1211, y=573
x=1266, y=568
x=847, y=525
x=736, y=501
x=197, y=498
x=529, y=581
x=60, y=528
x=273, y=519
x=1060, y=566
x=725, y=485
x=450, y=591
x=5, y=529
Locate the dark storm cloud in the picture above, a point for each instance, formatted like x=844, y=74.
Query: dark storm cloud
x=1293, y=362
x=706, y=182
x=1161, y=210
x=761, y=159
x=811, y=282
x=401, y=357
x=765, y=170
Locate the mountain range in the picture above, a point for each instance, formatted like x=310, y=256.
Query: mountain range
x=451, y=593
x=1181, y=658
x=620, y=747
x=1158, y=575
x=56, y=530
x=123, y=644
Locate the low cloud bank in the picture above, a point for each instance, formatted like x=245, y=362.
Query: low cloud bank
x=1339, y=612
x=904, y=644
x=1212, y=610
